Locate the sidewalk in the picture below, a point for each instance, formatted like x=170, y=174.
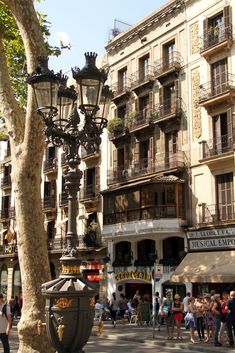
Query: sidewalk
x=144, y=334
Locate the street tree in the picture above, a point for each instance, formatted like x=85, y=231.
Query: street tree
x=25, y=131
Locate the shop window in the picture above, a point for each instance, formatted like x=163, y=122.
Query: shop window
x=173, y=251
x=123, y=255
x=145, y=253
x=3, y=280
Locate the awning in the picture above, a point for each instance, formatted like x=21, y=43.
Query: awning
x=206, y=267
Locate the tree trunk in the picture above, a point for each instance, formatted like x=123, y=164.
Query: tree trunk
x=27, y=146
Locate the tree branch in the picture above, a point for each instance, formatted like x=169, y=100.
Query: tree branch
x=9, y=107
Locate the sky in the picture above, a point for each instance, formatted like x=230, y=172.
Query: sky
x=86, y=25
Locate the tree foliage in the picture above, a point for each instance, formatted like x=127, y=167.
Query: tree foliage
x=15, y=52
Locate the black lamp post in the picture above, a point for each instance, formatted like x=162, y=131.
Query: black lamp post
x=70, y=298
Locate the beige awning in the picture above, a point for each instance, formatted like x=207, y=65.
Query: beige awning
x=206, y=267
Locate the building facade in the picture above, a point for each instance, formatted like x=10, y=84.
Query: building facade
x=170, y=152
x=156, y=205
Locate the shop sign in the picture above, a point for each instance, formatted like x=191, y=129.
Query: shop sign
x=211, y=233
x=133, y=275
x=216, y=243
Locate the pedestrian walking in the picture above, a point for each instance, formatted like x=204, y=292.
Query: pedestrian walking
x=231, y=318
x=223, y=333
x=217, y=311
x=114, y=309
x=5, y=324
x=190, y=318
x=199, y=317
x=208, y=317
x=122, y=306
x=168, y=315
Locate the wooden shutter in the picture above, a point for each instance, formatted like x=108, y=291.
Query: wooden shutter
x=176, y=100
x=205, y=32
x=216, y=131
x=230, y=127
x=137, y=152
x=115, y=160
x=151, y=152
x=227, y=19
x=161, y=109
x=151, y=100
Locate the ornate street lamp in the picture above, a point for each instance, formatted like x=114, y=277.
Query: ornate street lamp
x=70, y=298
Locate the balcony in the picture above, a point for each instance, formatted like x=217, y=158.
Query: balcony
x=55, y=245
x=89, y=192
x=63, y=199
x=215, y=149
x=143, y=118
x=5, y=214
x=217, y=39
x=49, y=203
x=170, y=109
x=50, y=165
x=142, y=79
x=120, y=90
x=168, y=66
x=164, y=162
x=219, y=91
x=146, y=213
x=6, y=182
x=87, y=155
x=217, y=213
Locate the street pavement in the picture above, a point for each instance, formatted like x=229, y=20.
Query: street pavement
x=136, y=339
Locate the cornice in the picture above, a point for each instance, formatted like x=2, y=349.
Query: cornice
x=141, y=27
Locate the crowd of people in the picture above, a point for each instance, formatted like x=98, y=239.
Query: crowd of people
x=208, y=318
x=210, y=315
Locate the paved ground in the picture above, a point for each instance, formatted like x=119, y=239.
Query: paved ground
x=136, y=339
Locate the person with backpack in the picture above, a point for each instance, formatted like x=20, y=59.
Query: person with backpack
x=5, y=324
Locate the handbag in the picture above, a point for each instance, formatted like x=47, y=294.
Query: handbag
x=189, y=317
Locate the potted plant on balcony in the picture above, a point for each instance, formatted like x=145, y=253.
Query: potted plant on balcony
x=116, y=125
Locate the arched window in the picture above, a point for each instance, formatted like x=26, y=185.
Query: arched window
x=123, y=254
x=173, y=250
x=145, y=253
x=3, y=280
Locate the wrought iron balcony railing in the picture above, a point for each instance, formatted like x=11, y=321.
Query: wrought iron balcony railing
x=5, y=212
x=216, y=35
x=169, y=63
x=49, y=202
x=143, y=117
x=218, y=146
x=89, y=192
x=223, y=83
x=163, y=161
x=120, y=88
x=220, y=212
x=169, y=107
x=55, y=244
x=63, y=199
x=50, y=164
x=142, y=76
x=6, y=181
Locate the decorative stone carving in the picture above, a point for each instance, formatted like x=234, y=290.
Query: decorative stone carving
x=194, y=38
x=196, y=109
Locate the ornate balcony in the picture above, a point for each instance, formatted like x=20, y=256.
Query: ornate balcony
x=63, y=199
x=167, y=66
x=55, y=245
x=5, y=214
x=49, y=203
x=164, y=162
x=170, y=109
x=218, y=91
x=6, y=182
x=217, y=213
x=86, y=154
x=89, y=192
x=50, y=165
x=216, y=39
x=120, y=90
x=143, y=118
x=142, y=78
x=217, y=147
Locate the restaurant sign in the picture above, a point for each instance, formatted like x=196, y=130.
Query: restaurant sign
x=133, y=275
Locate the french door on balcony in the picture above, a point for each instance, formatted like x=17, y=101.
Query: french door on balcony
x=219, y=75
x=171, y=143
x=225, y=199
x=168, y=54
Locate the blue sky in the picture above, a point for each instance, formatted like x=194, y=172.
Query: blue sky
x=86, y=25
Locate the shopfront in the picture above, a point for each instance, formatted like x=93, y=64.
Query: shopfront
x=210, y=262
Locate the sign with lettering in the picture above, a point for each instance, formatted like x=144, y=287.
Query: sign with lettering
x=133, y=275
x=215, y=243
x=211, y=233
